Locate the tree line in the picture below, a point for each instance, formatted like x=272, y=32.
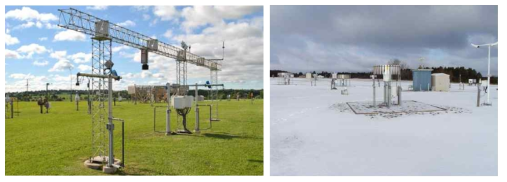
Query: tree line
x=456, y=74
x=64, y=95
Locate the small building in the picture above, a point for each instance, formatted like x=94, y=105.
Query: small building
x=334, y=75
x=440, y=82
x=344, y=76
x=421, y=79
x=308, y=75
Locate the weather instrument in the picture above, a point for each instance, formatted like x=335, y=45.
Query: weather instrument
x=387, y=72
x=488, y=102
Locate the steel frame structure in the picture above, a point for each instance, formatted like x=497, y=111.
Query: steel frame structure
x=103, y=33
x=101, y=52
x=76, y=20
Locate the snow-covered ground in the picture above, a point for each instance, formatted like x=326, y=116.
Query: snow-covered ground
x=314, y=132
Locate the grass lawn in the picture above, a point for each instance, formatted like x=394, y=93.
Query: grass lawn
x=58, y=143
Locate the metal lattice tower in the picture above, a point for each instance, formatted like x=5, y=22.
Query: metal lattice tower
x=101, y=52
x=215, y=67
x=104, y=33
x=181, y=72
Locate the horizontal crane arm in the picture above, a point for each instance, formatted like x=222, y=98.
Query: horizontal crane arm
x=76, y=20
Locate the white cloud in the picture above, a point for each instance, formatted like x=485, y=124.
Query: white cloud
x=32, y=49
x=146, y=17
x=129, y=75
x=52, y=26
x=166, y=12
x=9, y=40
x=168, y=34
x=40, y=63
x=28, y=14
x=80, y=57
x=38, y=24
x=21, y=76
x=61, y=65
x=203, y=15
x=58, y=54
x=127, y=23
x=243, y=49
x=84, y=68
x=141, y=8
x=43, y=39
x=146, y=74
x=24, y=25
x=99, y=7
x=120, y=48
x=12, y=54
x=69, y=35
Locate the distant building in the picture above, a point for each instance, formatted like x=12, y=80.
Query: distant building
x=440, y=82
x=472, y=81
x=308, y=75
x=421, y=79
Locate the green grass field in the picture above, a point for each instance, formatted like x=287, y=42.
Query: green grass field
x=58, y=143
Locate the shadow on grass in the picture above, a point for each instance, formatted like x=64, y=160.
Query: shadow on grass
x=224, y=136
x=221, y=136
x=255, y=160
x=227, y=136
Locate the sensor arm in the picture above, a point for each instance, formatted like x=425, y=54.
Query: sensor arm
x=76, y=20
x=95, y=76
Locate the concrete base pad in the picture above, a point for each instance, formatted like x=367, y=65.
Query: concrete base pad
x=109, y=170
x=408, y=106
x=100, y=162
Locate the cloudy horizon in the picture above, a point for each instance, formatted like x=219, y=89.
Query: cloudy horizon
x=39, y=51
x=355, y=38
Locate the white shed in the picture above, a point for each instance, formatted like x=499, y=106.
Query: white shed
x=308, y=75
x=440, y=82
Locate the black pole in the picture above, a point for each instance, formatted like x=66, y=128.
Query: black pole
x=154, y=117
x=12, y=108
x=17, y=106
x=123, y=144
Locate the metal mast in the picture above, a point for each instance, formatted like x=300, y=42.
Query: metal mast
x=214, y=80
x=101, y=52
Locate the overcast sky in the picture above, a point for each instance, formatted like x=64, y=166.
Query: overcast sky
x=355, y=38
x=36, y=49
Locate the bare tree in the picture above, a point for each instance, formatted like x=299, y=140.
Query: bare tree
x=396, y=61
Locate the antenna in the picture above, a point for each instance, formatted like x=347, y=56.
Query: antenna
x=421, y=60
x=26, y=85
x=223, y=49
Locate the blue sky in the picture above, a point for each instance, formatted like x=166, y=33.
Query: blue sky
x=38, y=50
